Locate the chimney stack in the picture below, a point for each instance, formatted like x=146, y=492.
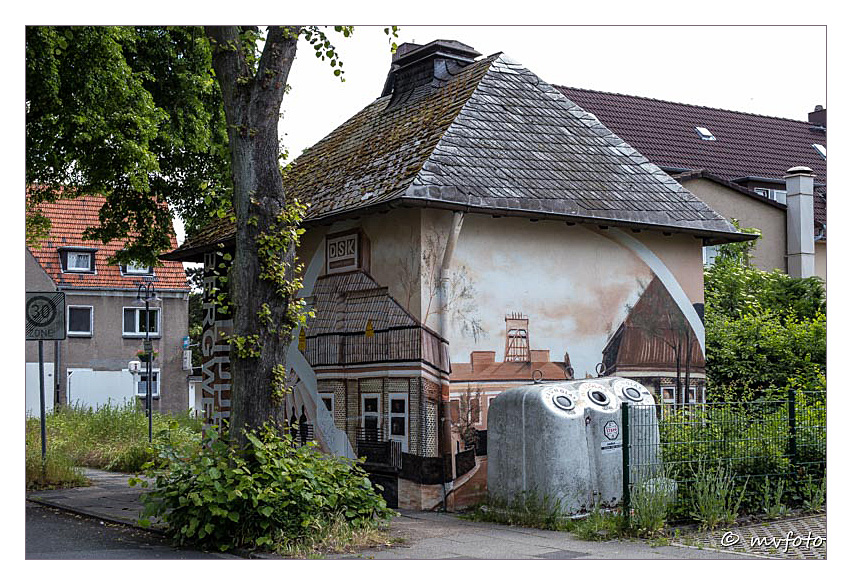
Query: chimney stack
x=818, y=117
x=424, y=67
x=800, y=222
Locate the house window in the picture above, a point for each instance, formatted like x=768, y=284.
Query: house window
x=328, y=400
x=710, y=253
x=820, y=149
x=136, y=323
x=80, y=321
x=762, y=191
x=136, y=269
x=704, y=133
x=77, y=260
x=778, y=195
x=142, y=384
x=370, y=413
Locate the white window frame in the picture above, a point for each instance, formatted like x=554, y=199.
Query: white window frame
x=377, y=414
x=704, y=133
x=779, y=195
x=709, y=254
x=91, y=330
x=134, y=269
x=157, y=310
x=141, y=389
x=69, y=252
x=404, y=439
x=682, y=399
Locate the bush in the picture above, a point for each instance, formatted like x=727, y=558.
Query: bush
x=269, y=494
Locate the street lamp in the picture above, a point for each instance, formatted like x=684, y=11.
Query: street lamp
x=146, y=295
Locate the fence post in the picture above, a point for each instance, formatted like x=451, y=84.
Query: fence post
x=625, y=460
x=791, y=422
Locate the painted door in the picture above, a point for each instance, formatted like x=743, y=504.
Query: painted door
x=398, y=418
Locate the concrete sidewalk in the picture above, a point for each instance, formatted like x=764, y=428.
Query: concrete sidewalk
x=109, y=497
x=423, y=535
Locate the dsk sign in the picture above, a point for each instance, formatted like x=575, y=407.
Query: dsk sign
x=45, y=314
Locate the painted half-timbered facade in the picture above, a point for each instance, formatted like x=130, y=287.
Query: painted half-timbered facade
x=470, y=230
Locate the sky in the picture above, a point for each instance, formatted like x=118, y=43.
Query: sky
x=741, y=68
x=770, y=70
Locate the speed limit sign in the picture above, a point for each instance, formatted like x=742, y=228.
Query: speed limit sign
x=45, y=316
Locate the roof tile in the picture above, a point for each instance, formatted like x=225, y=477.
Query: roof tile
x=69, y=218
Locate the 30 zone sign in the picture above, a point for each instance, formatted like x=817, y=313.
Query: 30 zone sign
x=45, y=316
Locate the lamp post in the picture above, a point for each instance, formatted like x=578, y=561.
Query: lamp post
x=145, y=295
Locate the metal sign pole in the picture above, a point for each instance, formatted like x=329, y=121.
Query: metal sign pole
x=41, y=402
x=45, y=319
x=148, y=369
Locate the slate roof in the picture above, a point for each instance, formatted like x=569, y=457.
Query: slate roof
x=69, y=218
x=746, y=145
x=496, y=139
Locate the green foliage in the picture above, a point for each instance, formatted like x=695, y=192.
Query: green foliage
x=650, y=502
x=762, y=328
x=111, y=437
x=55, y=472
x=751, y=442
x=715, y=497
x=773, y=506
x=529, y=509
x=132, y=113
x=814, y=495
x=542, y=511
x=268, y=494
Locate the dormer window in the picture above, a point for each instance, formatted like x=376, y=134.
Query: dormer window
x=77, y=260
x=136, y=269
x=704, y=133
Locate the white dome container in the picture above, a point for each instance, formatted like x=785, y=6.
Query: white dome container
x=561, y=441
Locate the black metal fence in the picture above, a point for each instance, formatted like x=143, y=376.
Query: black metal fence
x=377, y=448
x=756, y=446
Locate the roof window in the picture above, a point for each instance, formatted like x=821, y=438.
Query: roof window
x=820, y=149
x=704, y=133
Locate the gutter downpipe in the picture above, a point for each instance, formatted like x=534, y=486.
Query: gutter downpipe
x=443, y=295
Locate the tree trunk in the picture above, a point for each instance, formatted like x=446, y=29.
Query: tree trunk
x=252, y=102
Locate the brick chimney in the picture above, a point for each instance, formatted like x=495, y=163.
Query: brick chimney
x=818, y=117
x=417, y=69
x=800, y=222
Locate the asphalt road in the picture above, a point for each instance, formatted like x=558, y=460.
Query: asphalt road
x=54, y=534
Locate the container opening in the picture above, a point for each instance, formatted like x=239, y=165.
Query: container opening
x=598, y=397
x=563, y=402
x=632, y=394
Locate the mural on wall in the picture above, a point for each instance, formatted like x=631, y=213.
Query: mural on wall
x=572, y=302
x=215, y=351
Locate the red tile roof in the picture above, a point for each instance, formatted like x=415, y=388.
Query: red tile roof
x=69, y=218
x=746, y=145
x=507, y=371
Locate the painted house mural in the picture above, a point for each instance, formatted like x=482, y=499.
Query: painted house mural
x=470, y=230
